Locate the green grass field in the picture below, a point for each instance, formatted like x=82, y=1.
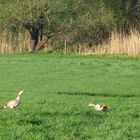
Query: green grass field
x=58, y=91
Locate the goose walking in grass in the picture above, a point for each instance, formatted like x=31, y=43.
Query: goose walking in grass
x=14, y=103
x=100, y=107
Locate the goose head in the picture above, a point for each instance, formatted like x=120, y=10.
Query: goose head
x=20, y=92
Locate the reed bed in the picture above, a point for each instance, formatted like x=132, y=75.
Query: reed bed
x=117, y=44
x=11, y=43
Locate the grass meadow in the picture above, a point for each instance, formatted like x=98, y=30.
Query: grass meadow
x=58, y=89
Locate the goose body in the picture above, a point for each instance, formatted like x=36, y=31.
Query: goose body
x=100, y=107
x=14, y=103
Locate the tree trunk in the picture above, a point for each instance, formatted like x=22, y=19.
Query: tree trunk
x=34, y=33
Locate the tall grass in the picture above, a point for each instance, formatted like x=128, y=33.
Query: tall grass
x=11, y=43
x=120, y=44
x=117, y=44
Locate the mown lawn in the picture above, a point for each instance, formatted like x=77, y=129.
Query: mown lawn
x=58, y=89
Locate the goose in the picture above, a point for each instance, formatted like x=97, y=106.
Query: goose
x=14, y=103
x=100, y=107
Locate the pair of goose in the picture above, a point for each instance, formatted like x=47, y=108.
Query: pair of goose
x=14, y=103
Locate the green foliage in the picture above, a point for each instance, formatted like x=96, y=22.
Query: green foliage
x=31, y=15
x=77, y=21
x=58, y=89
x=126, y=13
x=95, y=25
x=23, y=14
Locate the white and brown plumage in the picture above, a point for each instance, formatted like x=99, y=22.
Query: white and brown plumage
x=14, y=103
x=100, y=107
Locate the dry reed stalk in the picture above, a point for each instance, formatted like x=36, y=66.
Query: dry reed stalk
x=65, y=49
x=10, y=44
x=19, y=46
x=3, y=43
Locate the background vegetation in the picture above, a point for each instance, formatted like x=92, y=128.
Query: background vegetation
x=58, y=88
x=74, y=25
